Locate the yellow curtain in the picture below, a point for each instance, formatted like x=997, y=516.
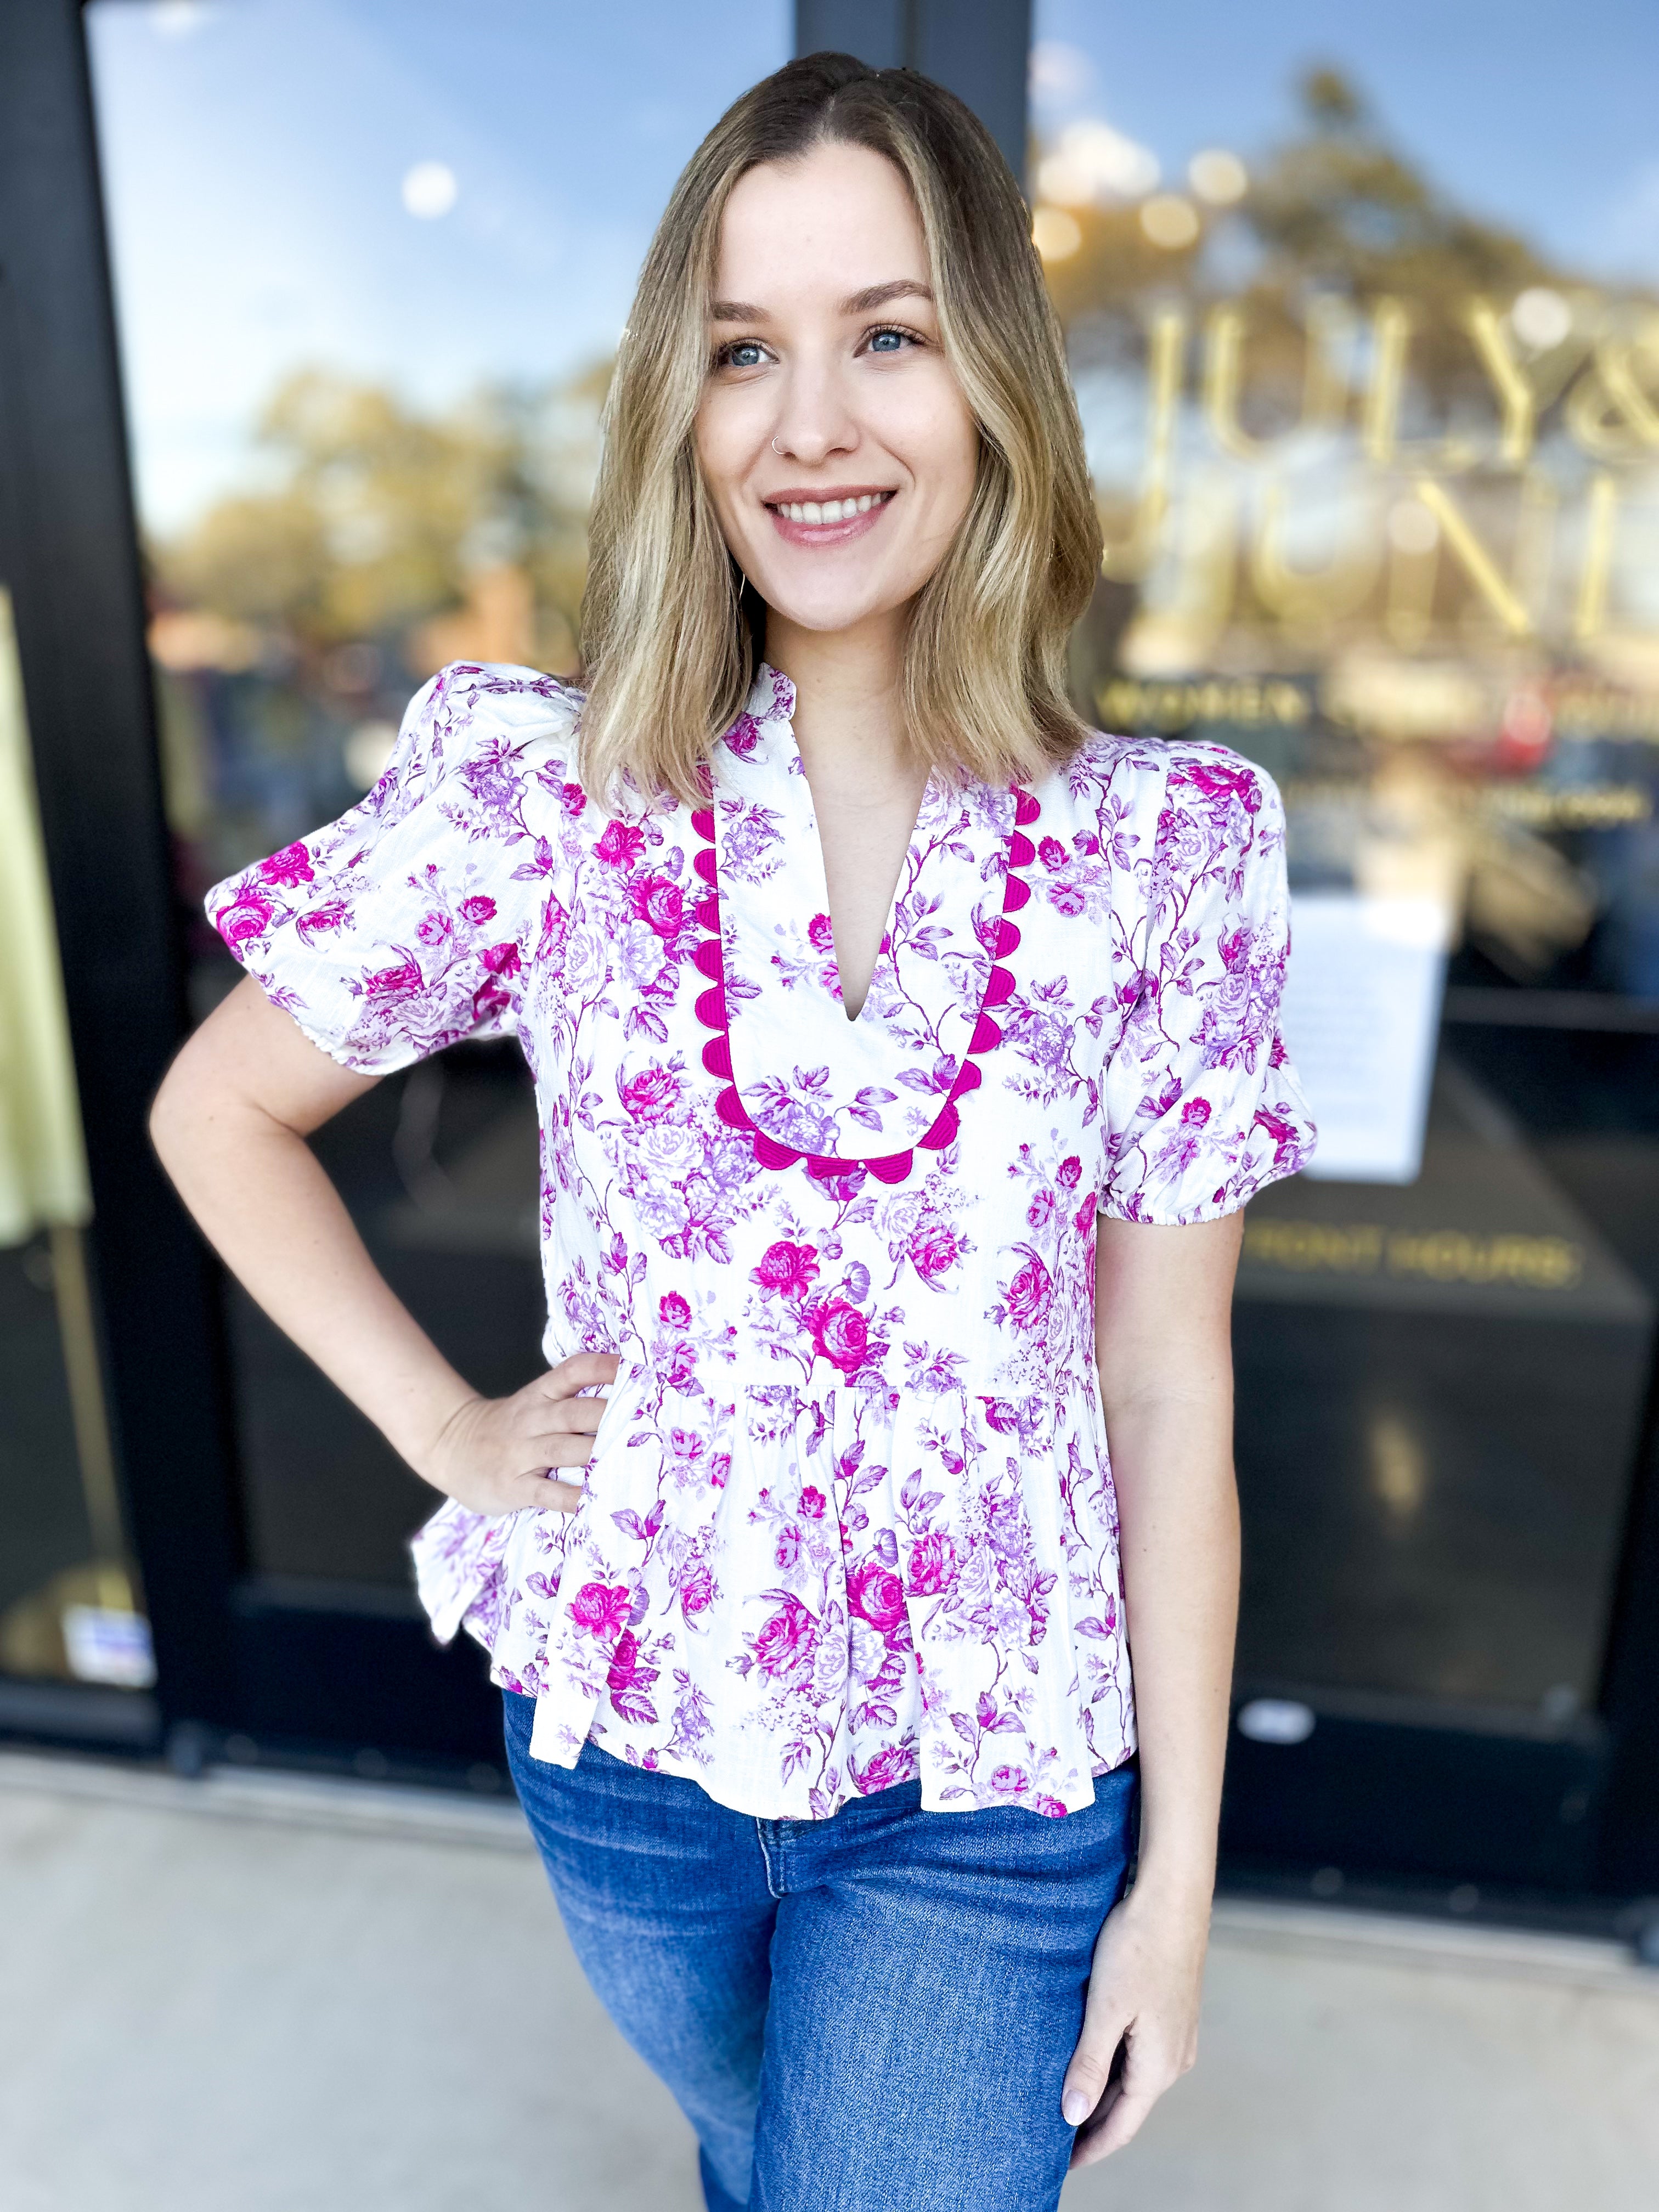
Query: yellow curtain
x=43, y=1163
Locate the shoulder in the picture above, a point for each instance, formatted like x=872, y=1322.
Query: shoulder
x=1164, y=781
x=1104, y=760
x=1102, y=784
x=480, y=745
x=1189, y=811
x=472, y=706
x=1206, y=776
x=1221, y=812
x=1220, y=831
x=1181, y=778
x=1174, y=771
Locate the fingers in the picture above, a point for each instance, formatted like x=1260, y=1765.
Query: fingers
x=583, y=1370
x=1127, y=2093
x=516, y=1444
x=547, y=1425
x=580, y=1414
x=555, y=1448
x=559, y=1434
x=1087, y=2076
x=536, y=1493
x=1116, y=2122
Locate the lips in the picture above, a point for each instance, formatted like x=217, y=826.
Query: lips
x=821, y=511
x=829, y=521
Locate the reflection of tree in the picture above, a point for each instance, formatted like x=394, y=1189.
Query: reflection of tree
x=379, y=518
x=1345, y=431
x=374, y=543
x=1341, y=209
x=1453, y=381
x=1336, y=211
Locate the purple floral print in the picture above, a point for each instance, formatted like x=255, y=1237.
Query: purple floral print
x=849, y=1517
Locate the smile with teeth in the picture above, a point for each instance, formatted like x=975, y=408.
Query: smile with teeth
x=811, y=511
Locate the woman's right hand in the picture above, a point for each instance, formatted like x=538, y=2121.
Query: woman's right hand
x=496, y=1455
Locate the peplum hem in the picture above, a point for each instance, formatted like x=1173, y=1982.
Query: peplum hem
x=864, y=1652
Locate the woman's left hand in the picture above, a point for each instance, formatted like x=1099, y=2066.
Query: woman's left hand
x=1144, y=1992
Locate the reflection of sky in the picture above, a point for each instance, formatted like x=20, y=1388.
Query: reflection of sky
x=1538, y=117
x=254, y=149
x=1541, y=115
x=253, y=154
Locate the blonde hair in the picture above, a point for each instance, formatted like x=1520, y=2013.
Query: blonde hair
x=667, y=641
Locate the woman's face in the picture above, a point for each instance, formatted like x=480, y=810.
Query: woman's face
x=834, y=438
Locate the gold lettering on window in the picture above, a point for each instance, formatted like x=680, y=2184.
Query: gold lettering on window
x=1438, y=1256
x=1129, y=560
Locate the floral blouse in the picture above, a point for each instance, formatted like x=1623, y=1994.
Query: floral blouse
x=849, y=1518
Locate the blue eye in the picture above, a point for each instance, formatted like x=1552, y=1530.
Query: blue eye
x=751, y=353
x=891, y=338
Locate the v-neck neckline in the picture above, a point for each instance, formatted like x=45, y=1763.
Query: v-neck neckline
x=810, y=858
x=890, y=1078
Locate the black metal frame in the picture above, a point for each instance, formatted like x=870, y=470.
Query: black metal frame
x=69, y=552
x=1627, y=1841
x=979, y=49
x=320, y=1669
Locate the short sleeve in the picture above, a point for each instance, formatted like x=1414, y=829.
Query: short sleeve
x=406, y=924
x=1202, y=1105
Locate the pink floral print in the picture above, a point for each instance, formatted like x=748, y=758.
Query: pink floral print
x=849, y=1517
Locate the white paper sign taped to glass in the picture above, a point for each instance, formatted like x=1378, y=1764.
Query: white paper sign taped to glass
x=1361, y=1016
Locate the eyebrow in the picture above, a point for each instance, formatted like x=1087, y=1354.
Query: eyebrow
x=856, y=303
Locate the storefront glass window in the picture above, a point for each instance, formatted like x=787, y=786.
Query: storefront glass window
x=372, y=258
x=68, y=1604
x=1369, y=368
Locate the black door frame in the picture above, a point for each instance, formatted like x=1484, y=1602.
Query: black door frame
x=69, y=552
x=242, y=1657
x=979, y=49
x=239, y=1658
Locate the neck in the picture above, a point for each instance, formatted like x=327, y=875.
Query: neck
x=848, y=720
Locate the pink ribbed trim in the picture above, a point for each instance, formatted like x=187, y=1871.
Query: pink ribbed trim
x=712, y=1012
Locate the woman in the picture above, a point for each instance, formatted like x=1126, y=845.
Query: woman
x=904, y=1054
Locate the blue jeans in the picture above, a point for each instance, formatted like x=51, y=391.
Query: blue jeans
x=869, y=2012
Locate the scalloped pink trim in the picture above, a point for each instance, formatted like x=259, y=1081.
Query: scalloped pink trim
x=713, y=1012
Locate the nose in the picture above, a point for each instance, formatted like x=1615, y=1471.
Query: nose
x=815, y=421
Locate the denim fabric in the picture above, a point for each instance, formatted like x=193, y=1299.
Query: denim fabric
x=868, y=2012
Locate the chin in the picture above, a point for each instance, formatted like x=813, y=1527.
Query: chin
x=829, y=610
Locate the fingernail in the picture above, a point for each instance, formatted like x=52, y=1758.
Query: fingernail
x=1075, y=2106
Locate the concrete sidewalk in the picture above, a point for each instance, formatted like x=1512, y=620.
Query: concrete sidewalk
x=254, y=1994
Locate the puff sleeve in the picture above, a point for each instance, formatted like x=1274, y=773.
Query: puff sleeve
x=1202, y=1105
x=407, y=924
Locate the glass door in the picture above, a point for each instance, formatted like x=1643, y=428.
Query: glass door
x=370, y=265
x=1369, y=392
x=70, y=1613
x=1370, y=396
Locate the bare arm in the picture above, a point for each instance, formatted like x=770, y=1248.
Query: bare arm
x=230, y=1123
x=1163, y=1299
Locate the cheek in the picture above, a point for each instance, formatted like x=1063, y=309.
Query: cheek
x=941, y=440
x=722, y=451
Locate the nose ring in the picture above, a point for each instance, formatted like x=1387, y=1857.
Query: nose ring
x=777, y=448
